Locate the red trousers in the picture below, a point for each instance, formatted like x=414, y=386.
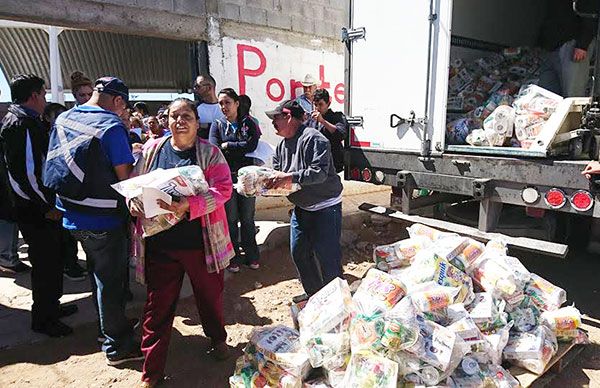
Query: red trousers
x=164, y=276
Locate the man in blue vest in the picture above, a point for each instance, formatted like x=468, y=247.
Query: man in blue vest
x=89, y=150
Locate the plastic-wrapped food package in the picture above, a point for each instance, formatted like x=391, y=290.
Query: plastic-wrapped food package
x=252, y=181
x=496, y=376
x=369, y=370
x=427, y=231
x=487, y=312
x=330, y=308
x=399, y=333
x=328, y=350
x=477, y=138
x=335, y=376
x=532, y=350
x=461, y=322
x=544, y=294
x=458, y=130
x=281, y=346
x=525, y=315
x=378, y=291
x=449, y=247
x=501, y=121
x=437, y=346
x=495, y=344
x=468, y=255
x=400, y=253
x=366, y=332
x=431, y=296
x=564, y=322
x=535, y=99
x=448, y=275
x=496, y=247
x=494, y=277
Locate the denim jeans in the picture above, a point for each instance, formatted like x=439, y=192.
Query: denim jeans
x=106, y=256
x=315, y=245
x=240, y=208
x=9, y=236
x=561, y=75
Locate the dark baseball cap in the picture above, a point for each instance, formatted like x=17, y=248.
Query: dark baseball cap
x=113, y=86
x=289, y=106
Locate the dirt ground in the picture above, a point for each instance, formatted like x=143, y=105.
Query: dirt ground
x=256, y=298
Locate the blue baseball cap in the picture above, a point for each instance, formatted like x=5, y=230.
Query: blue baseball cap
x=113, y=86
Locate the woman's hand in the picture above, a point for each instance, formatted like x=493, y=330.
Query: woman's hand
x=136, y=208
x=179, y=208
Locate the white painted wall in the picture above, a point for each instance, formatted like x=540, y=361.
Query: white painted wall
x=269, y=72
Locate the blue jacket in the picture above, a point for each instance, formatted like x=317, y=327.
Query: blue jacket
x=240, y=141
x=77, y=168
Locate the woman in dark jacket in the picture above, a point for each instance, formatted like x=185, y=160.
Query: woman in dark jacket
x=236, y=135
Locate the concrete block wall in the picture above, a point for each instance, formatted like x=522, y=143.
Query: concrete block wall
x=323, y=18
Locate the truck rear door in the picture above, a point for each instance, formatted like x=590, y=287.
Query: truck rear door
x=399, y=66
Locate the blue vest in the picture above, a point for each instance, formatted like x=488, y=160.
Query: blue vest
x=77, y=167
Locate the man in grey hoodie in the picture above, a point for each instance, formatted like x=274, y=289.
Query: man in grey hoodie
x=304, y=157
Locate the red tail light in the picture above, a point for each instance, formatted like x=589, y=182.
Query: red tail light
x=555, y=198
x=355, y=174
x=366, y=175
x=582, y=201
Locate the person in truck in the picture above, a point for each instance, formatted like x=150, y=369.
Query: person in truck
x=304, y=157
x=331, y=124
x=569, y=39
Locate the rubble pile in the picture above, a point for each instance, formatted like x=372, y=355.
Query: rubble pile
x=438, y=309
x=493, y=101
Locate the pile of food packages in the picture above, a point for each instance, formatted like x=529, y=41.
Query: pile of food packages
x=493, y=101
x=254, y=181
x=437, y=309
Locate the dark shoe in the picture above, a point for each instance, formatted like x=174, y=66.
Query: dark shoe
x=233, y=268
x=65, y=310
x=52, y=328
x=134, y=322
x=133, y=355
x=75, y=272
x=19, y=268
x=220, y=352
x=300, y=298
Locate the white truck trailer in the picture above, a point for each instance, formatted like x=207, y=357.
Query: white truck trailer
x=397, y=66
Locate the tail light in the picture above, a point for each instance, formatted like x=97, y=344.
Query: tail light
x=366, y=175
x=555, y=198
x=530, y=195
x=582, y=201
x=355, y=174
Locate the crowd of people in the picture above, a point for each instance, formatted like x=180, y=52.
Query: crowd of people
x=57, y=166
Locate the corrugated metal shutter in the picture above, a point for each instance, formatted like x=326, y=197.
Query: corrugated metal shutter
x=144, y=63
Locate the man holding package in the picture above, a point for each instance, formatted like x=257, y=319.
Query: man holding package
x=89, y=150
x=304, y=157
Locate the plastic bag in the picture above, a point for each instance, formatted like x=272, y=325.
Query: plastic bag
x=468, y=255
x=461, y=322
x=448, y=275
x=501, y=121
x=328, y=350
x=399, y=254
x=366, y=332
x=544, y=294
x=330, y=308
x=280, y=345
x=427, y=231
x=535, y=99
x=533, y=350
x=564, y=322
x=378, y=291
x=370, y=370
x=487, y=312
x=252, y=181
x=525, y=315
x=431, y=296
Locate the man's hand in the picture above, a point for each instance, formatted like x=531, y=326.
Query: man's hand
x=592, y=168
x=579, y=54
x=179, y=208
x=223, y=145
x=280, y=180
x=316, y=115
x=53, y=214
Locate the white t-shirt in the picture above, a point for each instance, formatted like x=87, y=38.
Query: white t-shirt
x=209, y=113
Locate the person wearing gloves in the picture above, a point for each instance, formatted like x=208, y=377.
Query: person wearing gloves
x=199, y=245
x=236, y=134
x=304, y=157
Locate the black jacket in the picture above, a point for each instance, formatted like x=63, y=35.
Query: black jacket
x=336, y=138
x=24, y=145
x=561, y=24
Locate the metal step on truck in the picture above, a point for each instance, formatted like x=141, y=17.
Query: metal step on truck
x=400, y=100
